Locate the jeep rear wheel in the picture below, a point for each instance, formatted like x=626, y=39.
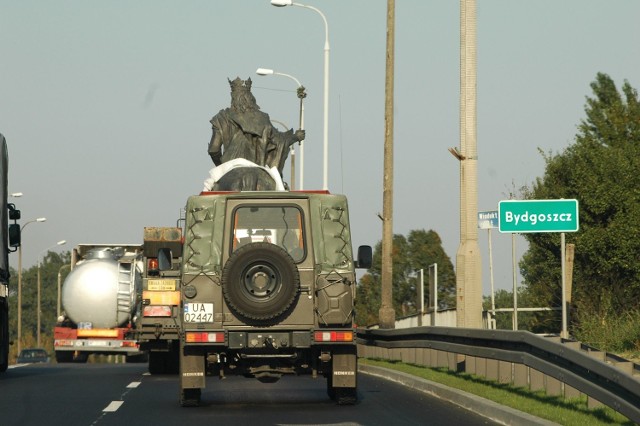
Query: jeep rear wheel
x=343, y=396
x=190, y=397
x=260, y=281
x=346, y=396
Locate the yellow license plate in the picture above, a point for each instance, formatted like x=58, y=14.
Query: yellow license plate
x=161, y=285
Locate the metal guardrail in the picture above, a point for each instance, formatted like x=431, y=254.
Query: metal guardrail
x=568, y=362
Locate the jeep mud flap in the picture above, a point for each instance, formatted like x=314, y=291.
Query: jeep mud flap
x=342, y=381
x=344, y=370
x=192, y=370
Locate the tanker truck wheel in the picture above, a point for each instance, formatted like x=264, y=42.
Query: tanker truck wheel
x=63, y=357
x=260, y=281
x=80, y=357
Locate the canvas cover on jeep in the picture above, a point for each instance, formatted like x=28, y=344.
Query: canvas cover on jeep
x=203, y=235
x=205, y=224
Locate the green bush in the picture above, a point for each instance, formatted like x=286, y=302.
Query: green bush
x=609, y=330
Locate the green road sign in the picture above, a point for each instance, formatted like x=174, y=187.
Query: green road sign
x=538, y=216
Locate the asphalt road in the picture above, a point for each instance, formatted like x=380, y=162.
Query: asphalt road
x=108, y=394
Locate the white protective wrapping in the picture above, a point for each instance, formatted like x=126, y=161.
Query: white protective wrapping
x=217, y=172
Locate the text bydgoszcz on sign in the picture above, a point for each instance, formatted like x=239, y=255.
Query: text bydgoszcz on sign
x=538, y=216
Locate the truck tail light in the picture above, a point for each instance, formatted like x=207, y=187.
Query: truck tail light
x=204, y=337
x=112, y=333
x=333, y=336
x=156, y=311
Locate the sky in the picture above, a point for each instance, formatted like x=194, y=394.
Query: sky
x=105, y=105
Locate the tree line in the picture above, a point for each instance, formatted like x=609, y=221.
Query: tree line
x=410, y=254
x=601, y=169
x=49, y=268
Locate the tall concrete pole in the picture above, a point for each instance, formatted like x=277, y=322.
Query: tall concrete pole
x=469, y=274
x=387, y=314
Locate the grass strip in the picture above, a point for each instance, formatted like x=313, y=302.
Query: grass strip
x=554, y=408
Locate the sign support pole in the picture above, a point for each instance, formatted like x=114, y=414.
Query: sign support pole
x=492, y=322
x=515, y=281
x=564, y=333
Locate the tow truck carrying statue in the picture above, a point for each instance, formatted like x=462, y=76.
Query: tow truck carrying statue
x=248, y=151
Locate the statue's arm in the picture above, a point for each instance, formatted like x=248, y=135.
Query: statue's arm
x=215, y=147
x=292, y=137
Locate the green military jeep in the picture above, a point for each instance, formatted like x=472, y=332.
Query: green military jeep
x=267, y=288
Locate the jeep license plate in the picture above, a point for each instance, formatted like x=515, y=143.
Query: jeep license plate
x=198, y=312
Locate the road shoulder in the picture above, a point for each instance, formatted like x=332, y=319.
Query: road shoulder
x=478, y=405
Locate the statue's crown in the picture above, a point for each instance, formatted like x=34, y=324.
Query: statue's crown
x=239, y=84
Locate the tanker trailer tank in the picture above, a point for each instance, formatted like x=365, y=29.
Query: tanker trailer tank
x=101, y=298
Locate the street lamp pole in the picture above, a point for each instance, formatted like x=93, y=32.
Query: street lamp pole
x=325, y=144
x=301, y=95
x=40, y=219
x=39, y=314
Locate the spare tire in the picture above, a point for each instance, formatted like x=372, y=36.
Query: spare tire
x=260, y=281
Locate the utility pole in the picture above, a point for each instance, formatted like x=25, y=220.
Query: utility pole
x=468, y=277
x=387, y=314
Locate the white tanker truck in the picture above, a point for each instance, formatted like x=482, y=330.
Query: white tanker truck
x=101, y=299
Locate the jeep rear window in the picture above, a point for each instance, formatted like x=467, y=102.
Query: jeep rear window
x=279, y=225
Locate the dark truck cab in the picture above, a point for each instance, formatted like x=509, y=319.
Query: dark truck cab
x=158, y=324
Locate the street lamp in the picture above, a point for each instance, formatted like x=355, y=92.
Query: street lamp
x=281, y=3
x=301, y=95
x=40, y=219
x=59, y=243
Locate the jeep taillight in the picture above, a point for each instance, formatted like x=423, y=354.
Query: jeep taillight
x=333, y=336
x=204, y=337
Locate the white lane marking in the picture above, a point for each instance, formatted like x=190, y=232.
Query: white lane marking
x=133, y=385
x=113, y=406
x=324, y=424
